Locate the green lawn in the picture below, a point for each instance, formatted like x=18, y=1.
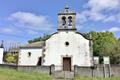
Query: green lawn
x=88, y=78
x=10, y=74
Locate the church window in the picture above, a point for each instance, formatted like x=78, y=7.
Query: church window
x=63, y=21
x=70, y=21
x=29, y=54
x=67, y=43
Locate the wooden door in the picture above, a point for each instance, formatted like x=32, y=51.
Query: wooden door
x=66, y=64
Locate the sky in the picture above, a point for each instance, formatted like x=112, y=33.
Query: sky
x=22, y=20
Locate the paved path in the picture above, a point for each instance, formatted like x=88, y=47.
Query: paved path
x=63, y=75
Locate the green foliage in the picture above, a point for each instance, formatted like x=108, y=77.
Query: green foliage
x=105, y=44
x=10, y=74
x=119, y=39
x=101, y=40
x=9, y=58
x=45, y=37
x=113, y=51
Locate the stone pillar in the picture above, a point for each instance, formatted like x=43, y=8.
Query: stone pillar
x=52, y=69
x=1, y=55
x=75, y=70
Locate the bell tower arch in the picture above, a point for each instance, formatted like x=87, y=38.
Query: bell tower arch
x=66, y=19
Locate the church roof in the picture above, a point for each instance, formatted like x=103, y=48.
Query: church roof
x=88, y=38
x=14, y=50
x=39, y=44
x=67, y=11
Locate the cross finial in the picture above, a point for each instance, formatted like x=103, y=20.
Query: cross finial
x=66, y=6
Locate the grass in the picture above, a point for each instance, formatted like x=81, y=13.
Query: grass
x=88, y=78
x=10, y=74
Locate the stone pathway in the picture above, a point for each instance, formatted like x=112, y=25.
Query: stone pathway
x=63, y=75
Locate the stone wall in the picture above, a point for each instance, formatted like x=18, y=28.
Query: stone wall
x=82, y=71
x=41, y=69
x=9, y=66
x=98, y=71
x=115, y=70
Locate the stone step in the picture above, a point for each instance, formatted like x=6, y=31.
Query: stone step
x=63, y=75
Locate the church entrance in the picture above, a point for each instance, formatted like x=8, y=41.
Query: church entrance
x=66, y=63
x=39, y=61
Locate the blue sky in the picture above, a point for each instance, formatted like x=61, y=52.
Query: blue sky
x=22, y=20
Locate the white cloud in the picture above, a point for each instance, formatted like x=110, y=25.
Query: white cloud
x=88, y=15
x=100, y=5
x=114, y=29
x=32, y=21
x=80, y=18
x=110, y=18
x=96, y=16
x=7, y=30
x=115, y=18
x=32, y=32
x=10, y=30
x=101, y=10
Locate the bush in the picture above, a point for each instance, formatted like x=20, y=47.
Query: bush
x=9, y=58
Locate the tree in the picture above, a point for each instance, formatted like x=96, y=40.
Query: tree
x=101, y=40
x=114, y=52
x=118, y=39
x=103, y=43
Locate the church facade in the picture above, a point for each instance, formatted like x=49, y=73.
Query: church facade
x=64, y=49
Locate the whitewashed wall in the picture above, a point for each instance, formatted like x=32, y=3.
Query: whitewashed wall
x=78, y=49
x=24, y=59
x=1, y=55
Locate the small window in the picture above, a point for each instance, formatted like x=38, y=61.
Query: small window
x=29, y=54
x=67, y=43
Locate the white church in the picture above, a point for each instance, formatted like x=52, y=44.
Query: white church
x=64, y=49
